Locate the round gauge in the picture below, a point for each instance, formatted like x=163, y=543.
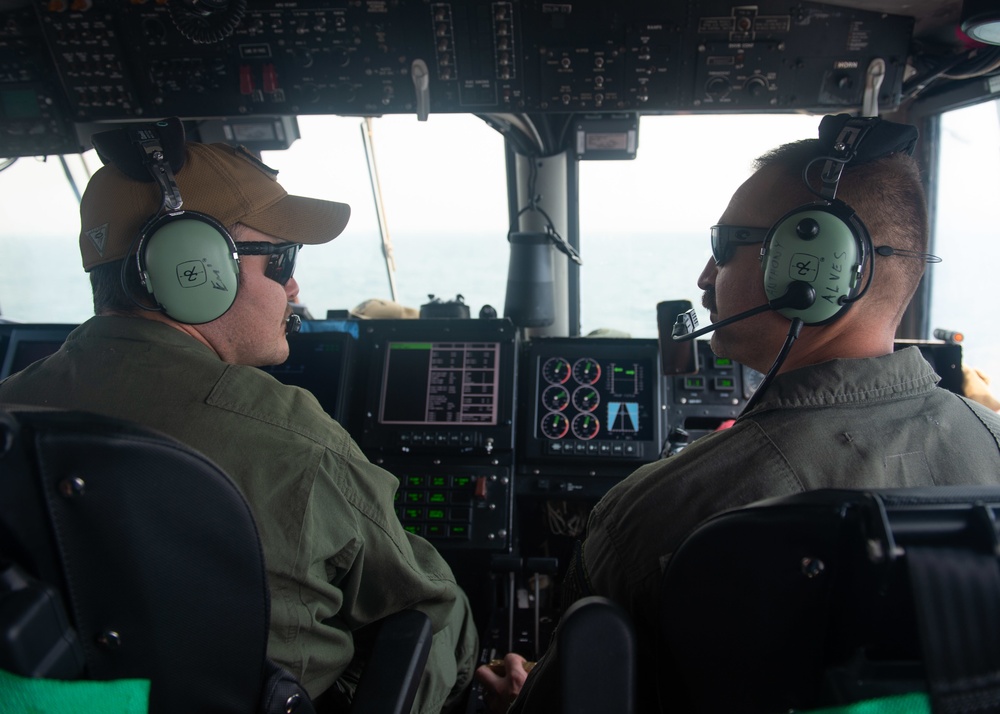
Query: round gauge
x=556, y=370
x=586, y=426
x=555, y=397
x=751, y=380
x=586, y=399
x=555, y=425
x=586, y=371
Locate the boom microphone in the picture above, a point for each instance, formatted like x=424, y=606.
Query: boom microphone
x=292, y=324
x=798, y=296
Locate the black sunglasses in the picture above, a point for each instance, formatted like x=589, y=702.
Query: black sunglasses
x=281, y=264
x=725, y=238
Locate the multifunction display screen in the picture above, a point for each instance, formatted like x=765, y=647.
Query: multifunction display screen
x=435, y=383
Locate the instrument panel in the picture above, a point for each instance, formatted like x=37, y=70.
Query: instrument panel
x=469, y=417
x=65, y=63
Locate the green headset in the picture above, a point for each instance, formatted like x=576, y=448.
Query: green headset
x=825, y=244
x=186, y=260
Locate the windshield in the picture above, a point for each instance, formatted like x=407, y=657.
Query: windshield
x=644, y=223
x=967, y=236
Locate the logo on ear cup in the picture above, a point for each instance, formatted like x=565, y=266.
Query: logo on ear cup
x=804, y=266
x=192, y=273
x=188, y=263
x=821, y=244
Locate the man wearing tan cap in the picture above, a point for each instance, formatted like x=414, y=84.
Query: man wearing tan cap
x=191, y=250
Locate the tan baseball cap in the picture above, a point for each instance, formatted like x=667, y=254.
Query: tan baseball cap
x=227, y=183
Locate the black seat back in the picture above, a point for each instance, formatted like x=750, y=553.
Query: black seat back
x=154, y=552
x=597, y=661
x=835, y=596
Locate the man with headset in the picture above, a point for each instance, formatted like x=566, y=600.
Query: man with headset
x=844, y=410
x=188, y=302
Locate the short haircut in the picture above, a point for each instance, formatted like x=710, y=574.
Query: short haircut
x=114, y=290
x=888, y=196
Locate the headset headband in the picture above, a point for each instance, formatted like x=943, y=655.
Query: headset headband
x=119, y=147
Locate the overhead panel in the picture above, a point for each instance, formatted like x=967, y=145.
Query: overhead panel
x=82, y=61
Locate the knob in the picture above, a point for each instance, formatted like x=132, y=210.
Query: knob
x=303, y=58
x=756, y=86
x=310, y=93
x=717, y=87
x=153, y=29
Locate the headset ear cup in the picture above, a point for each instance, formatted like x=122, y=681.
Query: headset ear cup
x=822, y=244
x=188, y=263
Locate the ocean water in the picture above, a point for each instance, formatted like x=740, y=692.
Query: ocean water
x=622, y=279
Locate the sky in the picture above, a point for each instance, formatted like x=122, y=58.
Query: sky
x=420, y=182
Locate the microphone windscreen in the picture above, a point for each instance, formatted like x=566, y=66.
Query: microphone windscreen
x=676, y=356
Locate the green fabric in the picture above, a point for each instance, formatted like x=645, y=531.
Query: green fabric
x=337, y=556
x=54, y=696
x=913, y=703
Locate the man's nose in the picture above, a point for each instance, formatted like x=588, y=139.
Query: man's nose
x=707, y=278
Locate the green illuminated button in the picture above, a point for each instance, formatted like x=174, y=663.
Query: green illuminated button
x=694, y=383
x=435, y=514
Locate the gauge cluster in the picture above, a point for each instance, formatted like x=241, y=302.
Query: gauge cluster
x=571, y=398
x=593, y=402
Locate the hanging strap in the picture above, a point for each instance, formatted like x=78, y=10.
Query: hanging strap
x=956, y=594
